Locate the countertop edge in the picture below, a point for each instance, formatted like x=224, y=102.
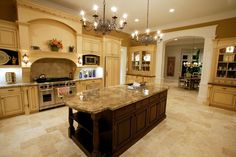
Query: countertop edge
x=221, y=84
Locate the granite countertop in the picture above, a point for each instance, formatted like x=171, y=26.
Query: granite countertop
x=112, y=98
x=4, y=85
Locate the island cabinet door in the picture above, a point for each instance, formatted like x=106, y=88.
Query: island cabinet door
x=141, y=117
x=122, y=132
x=141, y=121
x=154, y=108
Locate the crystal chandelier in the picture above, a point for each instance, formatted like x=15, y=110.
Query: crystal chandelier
x=102, y=25
x=147, y=38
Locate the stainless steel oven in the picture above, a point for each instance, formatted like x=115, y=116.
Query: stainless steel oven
x=46, y=98
x=48, y=93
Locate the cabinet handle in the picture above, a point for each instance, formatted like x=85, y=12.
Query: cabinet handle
x=223, y=88
x=10, y=90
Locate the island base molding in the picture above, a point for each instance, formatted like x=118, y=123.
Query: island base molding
x=111, y=132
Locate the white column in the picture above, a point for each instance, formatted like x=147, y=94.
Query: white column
x=160, y=62
x=206, y=70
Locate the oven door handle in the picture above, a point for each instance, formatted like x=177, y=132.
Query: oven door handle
x=46, y=90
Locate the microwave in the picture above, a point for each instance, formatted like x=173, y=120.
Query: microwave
x=90, y=60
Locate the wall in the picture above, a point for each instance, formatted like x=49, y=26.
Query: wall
x=43, y=30
x=176, y=51
x=17, y=71
x=52, y=68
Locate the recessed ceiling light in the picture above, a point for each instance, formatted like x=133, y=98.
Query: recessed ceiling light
x=136, y=20
x=172, y=10
x=175, y=39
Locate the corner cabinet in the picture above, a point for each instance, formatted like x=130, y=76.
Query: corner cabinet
x=141, y=60
x=11, y=102
x=222, y=88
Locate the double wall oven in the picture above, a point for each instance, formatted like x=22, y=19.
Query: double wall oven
x=48, y=91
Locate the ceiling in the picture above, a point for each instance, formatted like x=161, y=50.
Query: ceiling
x=185, y=10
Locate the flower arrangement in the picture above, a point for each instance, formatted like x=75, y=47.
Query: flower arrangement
x=55, y=44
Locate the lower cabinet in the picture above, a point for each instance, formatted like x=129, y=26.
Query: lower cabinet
x=89, y=84
x=11, y=102
x=31, y=99
x=138, y=78
x=224, y=97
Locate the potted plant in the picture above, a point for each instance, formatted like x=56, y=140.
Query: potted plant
x=55, y=44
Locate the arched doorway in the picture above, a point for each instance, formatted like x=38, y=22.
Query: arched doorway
x=183, y=62
x=208, y=33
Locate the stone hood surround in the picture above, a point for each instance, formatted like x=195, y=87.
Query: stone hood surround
x=112, y=98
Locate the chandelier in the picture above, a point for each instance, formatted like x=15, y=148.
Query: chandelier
x=147, y=38
x=103, y=25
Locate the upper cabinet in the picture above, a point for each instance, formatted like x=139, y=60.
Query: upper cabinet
x=91, y=45
x=8, y=35
x=112, y=46
x=225, y=66
x=141, y=60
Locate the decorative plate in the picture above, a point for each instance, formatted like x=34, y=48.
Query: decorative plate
x=4, y=58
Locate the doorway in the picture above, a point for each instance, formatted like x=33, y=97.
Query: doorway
x=183, y=62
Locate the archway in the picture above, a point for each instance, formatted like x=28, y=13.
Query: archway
x=208, y=33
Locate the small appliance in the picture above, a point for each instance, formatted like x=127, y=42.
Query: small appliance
x=10, y=77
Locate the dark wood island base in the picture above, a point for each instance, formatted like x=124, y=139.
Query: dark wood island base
x=111, y=132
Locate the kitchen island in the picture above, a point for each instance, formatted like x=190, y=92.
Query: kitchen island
x=112, y=119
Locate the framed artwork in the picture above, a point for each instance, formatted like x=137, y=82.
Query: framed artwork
x=9, y=57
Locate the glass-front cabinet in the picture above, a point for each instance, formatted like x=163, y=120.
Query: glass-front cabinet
x=226, y=66
x=142, y=60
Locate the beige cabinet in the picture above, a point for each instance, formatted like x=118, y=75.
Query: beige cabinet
x=112, y=66
x=225, y=61
x=137, y=78
x=112, y=47
x=224, y=97
x=8, y=35
x=91, y=45
x=88, y=84
x=31, y=99
x=141, y=60
x=11, y=101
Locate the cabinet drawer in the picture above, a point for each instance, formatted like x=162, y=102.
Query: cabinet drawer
x=225, y=89
x=9, y=90
x=163, y=94
x=142, y=104
x=124, y=111
x=155, y=98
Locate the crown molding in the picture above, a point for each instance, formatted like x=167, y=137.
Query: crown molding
x=45, y=9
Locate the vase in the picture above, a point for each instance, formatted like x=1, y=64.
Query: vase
x=54, y=48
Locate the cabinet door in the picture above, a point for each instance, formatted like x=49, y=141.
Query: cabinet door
x=123, y=132
x=93, y=84
x=33, y=99
x=153, y=115
x=112, y=47
x=12, y=104
x=112, y=71
x=91, y=46
x=141, y=121
x=8, y=37
x=223, y=99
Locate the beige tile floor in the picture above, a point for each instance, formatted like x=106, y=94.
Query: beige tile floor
x=190, y=130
